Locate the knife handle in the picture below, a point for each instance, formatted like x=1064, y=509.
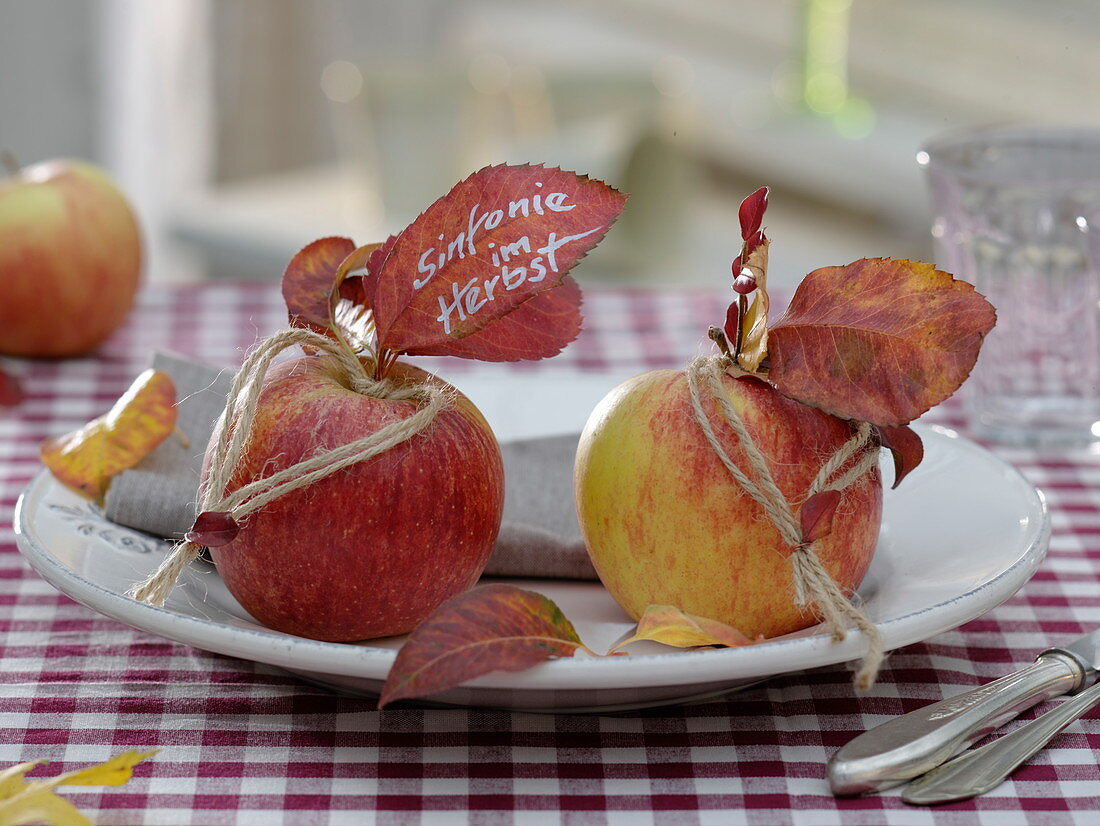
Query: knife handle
x=981, y=770
x=910, y=745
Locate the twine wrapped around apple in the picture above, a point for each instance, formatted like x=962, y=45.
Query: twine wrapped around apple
x=756, y=500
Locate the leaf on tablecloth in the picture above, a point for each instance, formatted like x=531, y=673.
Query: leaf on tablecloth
x=880, y=340
x=23, y=802
x=669, y=625
x=494, y=627
x=87, y=459
x=11, y=393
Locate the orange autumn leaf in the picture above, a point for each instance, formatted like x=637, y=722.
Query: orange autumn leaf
x=87, y=459
x=494, y=627
x=880, y=340
x=754, y=343
x=671, y=626
x=23, y=802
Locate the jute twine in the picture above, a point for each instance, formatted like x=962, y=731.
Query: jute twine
x=240, y=411
x=812, y=583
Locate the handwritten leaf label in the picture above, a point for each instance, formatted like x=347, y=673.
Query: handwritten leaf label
x=494, y=241
x=754, y=339
x=494, y=627
x=816, y=515
x=25, y=801
x=671, y=626
x=87, y=459
x=906, y=448
x=310, y=280
x=11, y=393
x=213, y=529
x=538, y=328
x=880, y=340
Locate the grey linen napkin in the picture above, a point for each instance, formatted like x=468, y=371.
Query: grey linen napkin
x=539, y=536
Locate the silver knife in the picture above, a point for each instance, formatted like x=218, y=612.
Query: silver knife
x=917, y=742
x=981, y=770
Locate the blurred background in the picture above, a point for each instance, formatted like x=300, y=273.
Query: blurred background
x=243, y=129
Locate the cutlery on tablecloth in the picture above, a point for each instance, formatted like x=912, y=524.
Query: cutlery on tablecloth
x=908, y=746
x=982, y=770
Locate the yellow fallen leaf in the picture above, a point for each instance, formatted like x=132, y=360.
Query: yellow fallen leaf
x=87, y=459
x=671, y=626
x=24, y=802
x=754, y=342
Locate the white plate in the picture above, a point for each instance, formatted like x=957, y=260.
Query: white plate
x=961, y=535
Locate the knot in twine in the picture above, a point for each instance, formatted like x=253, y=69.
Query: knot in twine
x=812, y=583
x=240, y=411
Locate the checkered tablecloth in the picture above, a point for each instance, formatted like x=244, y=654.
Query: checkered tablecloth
x=246, y=744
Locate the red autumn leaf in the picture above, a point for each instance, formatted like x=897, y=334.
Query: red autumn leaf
x=11, y=393
x=905, y=446
x=730, y=327
x=491, y=628
x=538, y=328
x=495, y=240
x=816, y=515
x=310, y=279
x=751, y=212
x=880, y=340
x=213, y=529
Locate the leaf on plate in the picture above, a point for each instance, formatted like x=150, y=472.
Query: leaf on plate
x=496, y=240
x=905, y=446
x=23, y=802
x=11, y=393
x=754, y=340
x=213, y=529
x=494, y=627
x=310, y=279
x=880, y=340
x=816, y=515
x=87, y=459
x=671, y=626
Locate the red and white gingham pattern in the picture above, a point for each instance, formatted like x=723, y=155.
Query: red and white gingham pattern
x=244, y=744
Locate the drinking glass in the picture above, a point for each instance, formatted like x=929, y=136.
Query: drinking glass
x=1017, y=213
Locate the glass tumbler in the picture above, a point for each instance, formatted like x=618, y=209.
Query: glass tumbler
x=1017, y=213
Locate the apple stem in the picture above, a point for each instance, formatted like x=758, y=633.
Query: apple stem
x=718, y=337
x=11, y=165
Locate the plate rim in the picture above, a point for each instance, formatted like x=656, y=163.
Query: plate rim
x=779, y=656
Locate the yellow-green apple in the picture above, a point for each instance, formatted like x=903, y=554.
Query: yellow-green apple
x=665, y=523
x=70, y=259
x=372, y=549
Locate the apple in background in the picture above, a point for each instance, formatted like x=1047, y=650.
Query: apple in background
x=70, y=259
x=666, y=524
x=373, y=549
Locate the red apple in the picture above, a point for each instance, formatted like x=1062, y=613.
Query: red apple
x=373, y=549
x=666, y=524
x=70, y=259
